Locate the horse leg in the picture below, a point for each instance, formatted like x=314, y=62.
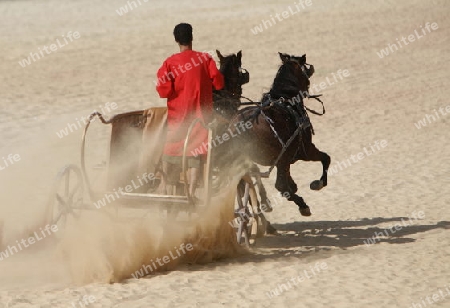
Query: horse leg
x=283, y=185
x=302, y=206
x=284, y=179
x=313, y=154
x=319, y=184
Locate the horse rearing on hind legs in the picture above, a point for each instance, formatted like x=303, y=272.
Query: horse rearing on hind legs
x=281, y=132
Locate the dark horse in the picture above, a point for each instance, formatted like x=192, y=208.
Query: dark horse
x=280, y=132
x=228, y=99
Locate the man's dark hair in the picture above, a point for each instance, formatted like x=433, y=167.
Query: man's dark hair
x=183, y=33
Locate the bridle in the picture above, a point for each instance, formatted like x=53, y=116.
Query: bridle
x=304, y=67
x=228, y=100
x=307, y=71
x=242, y=78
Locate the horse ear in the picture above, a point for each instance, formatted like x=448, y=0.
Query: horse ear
x=239, y=54
x=219, y=54
x=303, y=59
x=284, y=57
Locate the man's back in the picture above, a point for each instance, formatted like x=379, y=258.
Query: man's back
x=189, y=93
x=187, y=79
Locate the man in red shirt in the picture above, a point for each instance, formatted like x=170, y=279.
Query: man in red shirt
x=186, y=79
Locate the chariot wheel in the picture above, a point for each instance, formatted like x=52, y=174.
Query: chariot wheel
x=247, y=218
x=66, y=197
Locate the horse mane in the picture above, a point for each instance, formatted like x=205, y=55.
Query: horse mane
x=285, y=83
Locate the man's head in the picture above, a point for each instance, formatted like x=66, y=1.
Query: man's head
x=183, y=34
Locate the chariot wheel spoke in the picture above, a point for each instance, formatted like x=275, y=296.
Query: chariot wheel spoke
x=245, y=214
x=66, y=195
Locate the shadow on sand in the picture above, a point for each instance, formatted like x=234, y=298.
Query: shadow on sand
x=306, y=239
x=301, y=239
x=345, y=234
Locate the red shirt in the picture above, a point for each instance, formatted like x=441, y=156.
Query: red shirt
x=187, y=79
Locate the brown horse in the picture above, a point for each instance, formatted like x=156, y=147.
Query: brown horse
x=278, y=130
x=227, y=100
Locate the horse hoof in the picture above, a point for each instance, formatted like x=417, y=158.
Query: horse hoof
x=305, y=211
x=316, y=185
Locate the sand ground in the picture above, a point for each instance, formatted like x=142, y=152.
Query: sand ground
x=115, y=60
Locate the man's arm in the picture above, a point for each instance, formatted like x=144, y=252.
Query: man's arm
x=215, y=75
x=164, y=86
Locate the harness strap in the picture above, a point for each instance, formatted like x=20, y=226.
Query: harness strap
x=283, y=144
x=316, y=97
x=270, y=121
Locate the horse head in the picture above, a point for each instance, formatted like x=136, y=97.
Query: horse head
x=227, y=100
x=292, y=77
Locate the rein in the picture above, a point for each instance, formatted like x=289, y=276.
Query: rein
x=316, y=97
x=249, y=103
